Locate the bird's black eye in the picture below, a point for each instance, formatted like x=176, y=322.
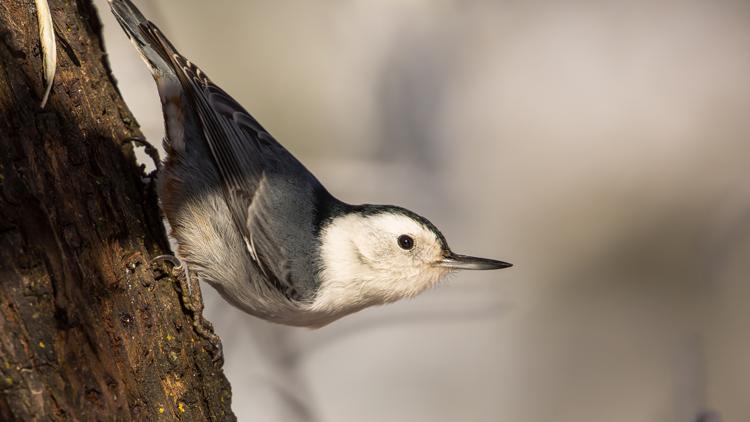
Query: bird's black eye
x=405, y=242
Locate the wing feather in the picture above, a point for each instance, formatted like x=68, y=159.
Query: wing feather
x=244, y=154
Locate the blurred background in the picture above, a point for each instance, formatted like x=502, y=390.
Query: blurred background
x=602, y=147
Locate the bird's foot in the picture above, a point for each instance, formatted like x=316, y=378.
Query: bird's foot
x=206, y=331
x=192, y=300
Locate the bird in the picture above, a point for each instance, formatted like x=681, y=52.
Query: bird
x=253, y=222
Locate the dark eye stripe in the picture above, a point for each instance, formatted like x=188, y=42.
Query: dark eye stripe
x=405, y=242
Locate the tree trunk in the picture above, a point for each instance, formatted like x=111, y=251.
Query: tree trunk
x=89, y=330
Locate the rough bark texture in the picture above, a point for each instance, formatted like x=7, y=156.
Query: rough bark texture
x=89, y=330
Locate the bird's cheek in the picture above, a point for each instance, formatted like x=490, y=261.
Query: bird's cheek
x=365, y=253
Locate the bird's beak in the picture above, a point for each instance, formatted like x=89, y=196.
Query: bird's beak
x=463, y=262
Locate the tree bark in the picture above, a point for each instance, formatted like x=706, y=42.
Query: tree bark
x=90, y=331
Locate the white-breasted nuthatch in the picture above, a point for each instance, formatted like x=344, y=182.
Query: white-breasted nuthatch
x=253, y=222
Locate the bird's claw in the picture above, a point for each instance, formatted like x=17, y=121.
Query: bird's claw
x=192, y=300
x=206, y=331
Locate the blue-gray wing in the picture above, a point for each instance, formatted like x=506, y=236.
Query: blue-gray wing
x=260, y=180
x=252, y=166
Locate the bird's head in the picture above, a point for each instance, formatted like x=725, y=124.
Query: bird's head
x=378, y=254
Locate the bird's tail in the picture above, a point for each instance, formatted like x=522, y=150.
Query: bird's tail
x=162, y=59
x=153, y=47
